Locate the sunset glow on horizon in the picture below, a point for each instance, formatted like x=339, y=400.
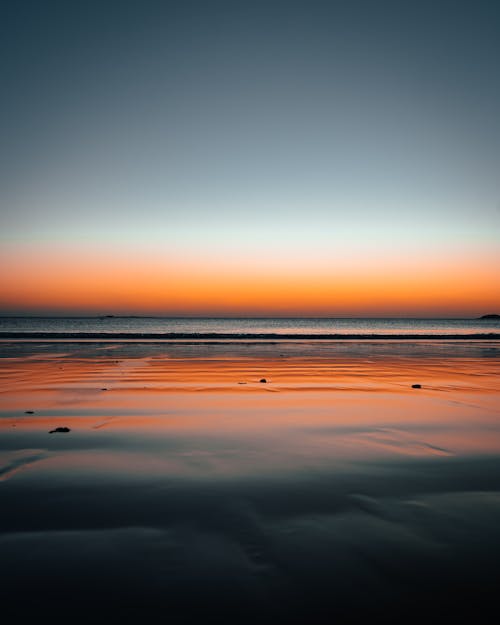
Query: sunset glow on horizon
x=46, y=280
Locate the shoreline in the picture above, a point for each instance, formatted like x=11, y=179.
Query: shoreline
x=146, y=472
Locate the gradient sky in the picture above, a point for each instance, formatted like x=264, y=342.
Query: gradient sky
x=318, y=158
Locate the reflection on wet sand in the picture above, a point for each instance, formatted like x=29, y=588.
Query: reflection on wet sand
x=179, y=489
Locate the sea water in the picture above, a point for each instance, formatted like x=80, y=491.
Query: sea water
x=247, y=326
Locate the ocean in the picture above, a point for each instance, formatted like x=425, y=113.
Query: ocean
x=242, y=327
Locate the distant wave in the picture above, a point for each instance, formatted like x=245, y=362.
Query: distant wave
x=170, y=336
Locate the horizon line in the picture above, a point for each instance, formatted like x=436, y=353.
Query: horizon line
x=103, y=316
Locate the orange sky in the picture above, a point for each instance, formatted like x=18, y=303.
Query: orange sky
x=98, y=280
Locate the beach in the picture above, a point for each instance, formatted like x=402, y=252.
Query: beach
x=255, y=481
x=250, y=313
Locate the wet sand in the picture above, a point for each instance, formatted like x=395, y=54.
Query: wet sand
x=186, y=487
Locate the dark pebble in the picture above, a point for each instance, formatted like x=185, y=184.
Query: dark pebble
x=416, y=386
x=60, y=430
x=263, y=381
x=104, y=389
x=29, y=412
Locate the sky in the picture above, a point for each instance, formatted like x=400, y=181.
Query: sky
x=250, y=158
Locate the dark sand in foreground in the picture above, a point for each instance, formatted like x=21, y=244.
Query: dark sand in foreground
x=188, y=489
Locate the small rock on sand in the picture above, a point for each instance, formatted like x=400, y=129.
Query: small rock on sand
x=416, y=386
x=263, y=381
x=60, y=430
x=29, y=412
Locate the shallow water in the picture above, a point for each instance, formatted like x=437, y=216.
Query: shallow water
x=189, y=487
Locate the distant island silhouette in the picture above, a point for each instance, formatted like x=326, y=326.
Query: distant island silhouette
x=490, y=317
